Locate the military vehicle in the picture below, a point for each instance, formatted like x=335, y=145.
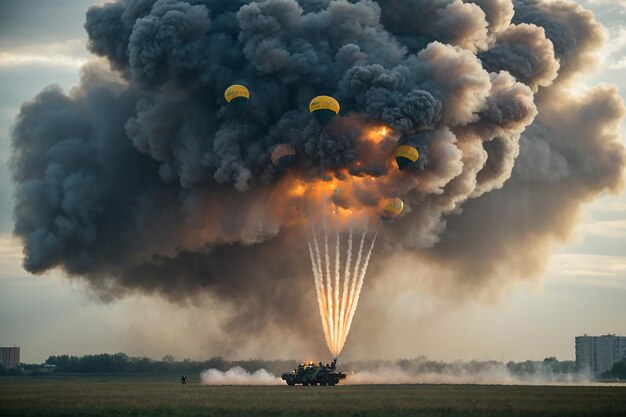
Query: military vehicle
x=312, y=374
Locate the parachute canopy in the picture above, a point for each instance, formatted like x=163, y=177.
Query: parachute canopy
x=406, y=155
x=324, y=108
x=284, y=155
x=393, y=209
x=238, y=96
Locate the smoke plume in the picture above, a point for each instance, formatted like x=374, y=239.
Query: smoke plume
x=143, y=179
x=238, y=376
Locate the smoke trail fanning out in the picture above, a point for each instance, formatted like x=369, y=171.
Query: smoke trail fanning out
x=144, y=179
x=338, y=293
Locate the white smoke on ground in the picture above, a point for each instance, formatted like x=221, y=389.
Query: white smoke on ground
x=496, y=374
x=238, y=376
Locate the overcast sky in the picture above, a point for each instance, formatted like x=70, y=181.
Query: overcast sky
x=583, y=290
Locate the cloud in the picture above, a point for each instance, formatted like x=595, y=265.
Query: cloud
x=618, y=3
x=610, y=229
x=600, y=271
x=613, y=53
x=10, y=256
x=609, y=205
x=70, y=54
x=619, y=65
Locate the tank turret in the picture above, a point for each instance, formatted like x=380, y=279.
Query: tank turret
x=314, y=374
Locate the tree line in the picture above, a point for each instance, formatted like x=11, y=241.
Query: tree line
x=122, y=363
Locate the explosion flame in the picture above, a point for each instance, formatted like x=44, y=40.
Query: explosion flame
x=339, y=279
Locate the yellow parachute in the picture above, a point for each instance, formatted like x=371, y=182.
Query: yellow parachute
x=284, y=155
x=324, y=108
x=393, y=208
x=406, y=155
x=238, y=96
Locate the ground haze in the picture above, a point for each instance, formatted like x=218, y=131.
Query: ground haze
x=164, y=396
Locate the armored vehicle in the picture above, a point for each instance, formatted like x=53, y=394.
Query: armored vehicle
x=312, y=374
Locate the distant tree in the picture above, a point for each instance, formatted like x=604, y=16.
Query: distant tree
x=168, y=359
x=9, y=371
x=619, y=370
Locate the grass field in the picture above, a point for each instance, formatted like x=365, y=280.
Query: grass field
x=160, y=396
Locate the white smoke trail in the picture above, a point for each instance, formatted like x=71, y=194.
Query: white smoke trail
x=318, y=289
x=353, y=282
x=322, y=300
x=320, y=270
x=360, y=283
x=346, y=282
x=338, y=289
x=238, y=376
x=329, y=284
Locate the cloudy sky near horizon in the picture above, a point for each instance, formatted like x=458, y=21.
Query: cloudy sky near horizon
x=582, y=291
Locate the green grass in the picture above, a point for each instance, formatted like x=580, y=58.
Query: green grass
x=161, y=396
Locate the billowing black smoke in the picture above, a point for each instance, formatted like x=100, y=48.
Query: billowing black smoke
x=144, y=179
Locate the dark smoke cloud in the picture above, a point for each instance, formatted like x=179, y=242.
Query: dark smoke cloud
x=389, y=95
x=498, y=13
x=568, y=156
x=417, y=23
x=525, y=52
x=143, y=179
x=572, y=30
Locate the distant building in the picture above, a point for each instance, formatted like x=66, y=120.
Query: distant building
x=598, y=354
x=10, y=357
